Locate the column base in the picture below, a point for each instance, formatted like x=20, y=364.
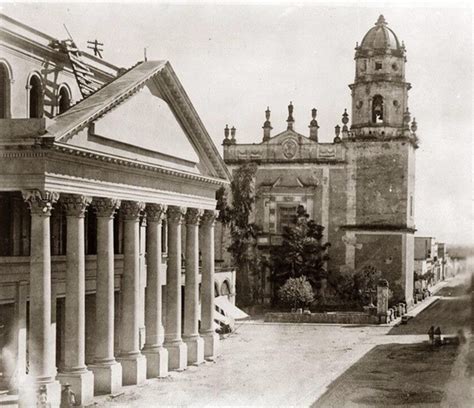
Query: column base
x=133, y=369
x=82, y=384
x=30, y=395
x=211, y=345
x=195, y=346
x=178, y=355
x=107, y=378
x=156, y=362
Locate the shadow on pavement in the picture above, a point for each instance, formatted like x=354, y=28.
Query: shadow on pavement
x=393, y=374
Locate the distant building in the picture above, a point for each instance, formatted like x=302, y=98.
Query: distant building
x=360, y=187
x=108, y=183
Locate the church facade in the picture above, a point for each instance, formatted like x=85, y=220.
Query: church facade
x=106, y=221
x=360, y=187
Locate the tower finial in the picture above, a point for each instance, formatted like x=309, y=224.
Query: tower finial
x=381, y=20
x=232, y=135
x=290, y=119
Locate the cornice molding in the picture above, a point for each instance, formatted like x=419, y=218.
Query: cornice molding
x=77, y=151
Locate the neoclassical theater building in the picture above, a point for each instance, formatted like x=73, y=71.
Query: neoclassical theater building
x=360, y=187
x=98, y=167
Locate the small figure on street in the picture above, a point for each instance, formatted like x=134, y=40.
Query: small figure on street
x=68, y=398
x=437, y=336
x=431, y=334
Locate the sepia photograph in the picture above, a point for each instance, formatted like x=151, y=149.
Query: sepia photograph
x=229, y=203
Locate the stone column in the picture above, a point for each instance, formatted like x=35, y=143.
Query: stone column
x=143, y=272
x=41, y=369
x=211, y=338
x=191, y=291
x=107, y=371
x=14, y=363
x=156, y=355
x=177, y=350
x=75, y=371
x=133, y=361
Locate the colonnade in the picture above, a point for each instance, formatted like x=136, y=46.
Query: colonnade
x=165, y=348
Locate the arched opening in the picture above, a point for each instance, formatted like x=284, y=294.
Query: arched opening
x=64, y=100
x=4, y=92
x=35, y=97
x=216, y=289
x=225, y=289
x=377, y=109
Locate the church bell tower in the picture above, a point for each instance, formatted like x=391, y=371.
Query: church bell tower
x=381, y=146
x=380, y=92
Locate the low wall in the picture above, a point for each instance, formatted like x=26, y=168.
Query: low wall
x=331, y=317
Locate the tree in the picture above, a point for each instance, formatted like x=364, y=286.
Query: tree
x=301, y=252
x=243, y=232
x=296, y=292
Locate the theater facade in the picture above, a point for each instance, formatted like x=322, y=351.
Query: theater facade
x=107, y=209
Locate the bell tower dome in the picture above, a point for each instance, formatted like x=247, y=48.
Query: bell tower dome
x=380, y=92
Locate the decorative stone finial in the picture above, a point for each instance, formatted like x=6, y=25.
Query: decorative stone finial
x=337, y=129
x=345, y=121
x=381, y=20
x=406, y=118
x=290, y=119
x=414, y=126
x=226, y=136
x=232, y=135
x=313, y=126
x=267, y=126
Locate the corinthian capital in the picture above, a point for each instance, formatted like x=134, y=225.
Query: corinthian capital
x=176, y=214
x=105, y=207
x=40, y=202
x=131, y=209
x=193, y=216
x=209, y=217
x=75, y=204
x=155, y=212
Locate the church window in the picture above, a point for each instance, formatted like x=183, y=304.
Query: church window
x=411, y=206
x=395, y=67
x=35, y=93
x=4, y=92
x=286, y=216
x=64, y=100
x=377, y=109
x=378, y=66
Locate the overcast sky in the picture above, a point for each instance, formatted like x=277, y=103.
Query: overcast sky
x=235, y=60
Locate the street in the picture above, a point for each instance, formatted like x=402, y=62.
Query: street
x=265, y=364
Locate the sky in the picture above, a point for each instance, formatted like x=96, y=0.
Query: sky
x=235, y=59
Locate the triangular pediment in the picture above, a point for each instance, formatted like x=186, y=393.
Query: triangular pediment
x=144, y=116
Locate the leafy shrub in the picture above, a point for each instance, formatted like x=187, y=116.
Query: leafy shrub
x=296, y=292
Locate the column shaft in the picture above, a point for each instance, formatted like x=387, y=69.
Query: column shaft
x=107, y=372
x=211, y=338
x=40, y=333
x=157, y=356
x=191, y=291
x=173, y=342
x=133, y=362
x=75, y=372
